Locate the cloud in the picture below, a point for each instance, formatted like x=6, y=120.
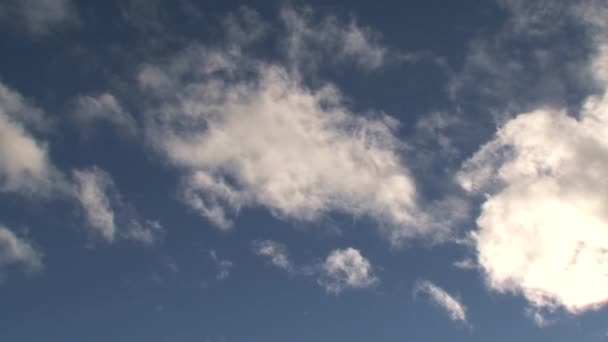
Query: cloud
x=342, y=269
x=15, y=251
x=223, y=265
x=20, y=109
x=528, y=62
x=24, y=162
x=540, y=230
x=275, y=253
x=310, y=41
x=538, y=317
x=465, y=264
x=244, y=27
x=250, y=134
x=543, y=226
x=537, y=18
x=246, y=132
x=91, y=192
x=26, y=169
x=106, y=213
x=39, y=17
x=90, y=110
x=346, y=268
x=443, y=300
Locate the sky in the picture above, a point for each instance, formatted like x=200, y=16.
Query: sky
x=219, y=171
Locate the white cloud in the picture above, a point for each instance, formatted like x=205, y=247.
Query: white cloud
x=223, y=265
x=17, y=251
x=106, y=213
x=535, y=18
x=310, y=41
x=275, y=252
x=90, y=110
x=91, y=191
x=543, y=228
x=465, y=264
x=525, y=64
x=26, y=169
x=443, y=300
x=346, y=268
x=24, y=163
x=244, y=27
x=21, y=110
x=538, y=317
x=250, y=134
x=342, y=269
x=39, y=17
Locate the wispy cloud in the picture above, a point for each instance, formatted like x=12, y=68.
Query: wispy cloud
x=224, y=266
x=18, y=251
x=310, y=40
x=38, y=17
x=275, y=252
x=89, y=111
x=108, y=216
x=443, y=300
x=25, y=168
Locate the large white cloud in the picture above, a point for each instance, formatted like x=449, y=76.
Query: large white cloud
x=251, y=134
x=543, y=225
x=15, y=251
x=543, y=228
x=108, y=216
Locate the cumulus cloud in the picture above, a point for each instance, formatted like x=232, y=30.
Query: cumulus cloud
x=105, y=212
x=15, y=251
x=24, y=162
x=443, y=300
x=90, y=110
x=247, y=134
x=346, y=268
x=543, y=227
x=342, y=269
x=38, y=17
x=275, y=253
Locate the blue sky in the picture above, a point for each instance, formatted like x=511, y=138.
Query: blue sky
x=303, y=171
